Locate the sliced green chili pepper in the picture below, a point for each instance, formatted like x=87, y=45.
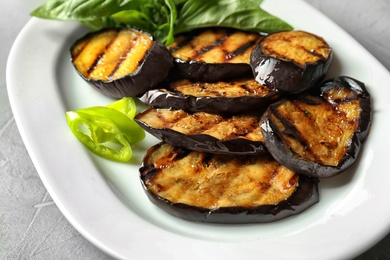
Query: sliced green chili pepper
x=106, y=131
x=130, y=129
x=126, y=105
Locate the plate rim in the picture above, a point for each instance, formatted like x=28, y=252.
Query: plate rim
x=42, y=168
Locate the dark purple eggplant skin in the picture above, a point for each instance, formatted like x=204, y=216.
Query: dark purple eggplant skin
x=284, y=156
x=155, y=68
x=304, y=197
x=209, y=72
x=164, y=98
x=287, y=76
x=206, y=143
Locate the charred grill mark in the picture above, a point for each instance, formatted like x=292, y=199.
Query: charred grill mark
x=80, y=49
x=149, y=172
x=345, y=98
x=94, y=64
x=239, y=129
x=183, y=43
x=206, y=159
x=246, y=88
x=231, y=89
x=308, y=51
x=168, y=120
x=277, y=54
x=273, y=53
x=181, y=153
x=207, y=89
x=264, y=186
x=290, y=131
x=240, y=50
x=294, y=180
x=218, y=43
x=190, y=38
x=100, y=55
x=238, y=126
x=124, y=56
x=208, y=48
x=299, y=47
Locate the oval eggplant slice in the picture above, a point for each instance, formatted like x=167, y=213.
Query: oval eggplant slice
x=121, y=62
x=205, y=132
x=291, y=61
x=213, y=54
x=224, y=189
x=228, y=97
x=319, y=134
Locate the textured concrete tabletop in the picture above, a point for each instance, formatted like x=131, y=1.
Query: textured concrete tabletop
x=32, y=227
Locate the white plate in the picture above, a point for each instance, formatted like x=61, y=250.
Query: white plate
x=105, y=202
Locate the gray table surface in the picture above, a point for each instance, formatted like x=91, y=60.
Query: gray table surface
x=32, y=227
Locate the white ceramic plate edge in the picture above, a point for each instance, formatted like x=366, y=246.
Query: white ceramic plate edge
x=73, y=206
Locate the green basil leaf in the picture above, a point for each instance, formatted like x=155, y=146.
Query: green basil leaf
x=81, y=10
x=163, y=18
x=156, y=17
x=241, y=14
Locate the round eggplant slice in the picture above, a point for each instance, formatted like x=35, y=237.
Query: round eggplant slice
x=225, y=189
x=213, y=54
x=291, y=61
x=121, y=62
x=319, y=133
x=239, y=134
x=227, y=97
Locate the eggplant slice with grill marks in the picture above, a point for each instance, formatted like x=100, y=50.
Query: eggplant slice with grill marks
x=121, y=62
x=213, y=54
x=239, y=134
x=226, y=189
x=227, y=97
x=291, y=61
x=319, y=133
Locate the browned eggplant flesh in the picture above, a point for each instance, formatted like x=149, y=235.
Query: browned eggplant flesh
x=225, y=97
x=291, y=61
x=213, y=54
x=319, y=133
x=239, y=134
x=121, y=62
x=224, y=189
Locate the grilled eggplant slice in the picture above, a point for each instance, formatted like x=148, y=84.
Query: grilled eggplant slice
x=205, y=132
x=213, y=54
x=227, y=97
x=224, y=189
x=291, y=61
x=320, y=133
x=121, y=62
